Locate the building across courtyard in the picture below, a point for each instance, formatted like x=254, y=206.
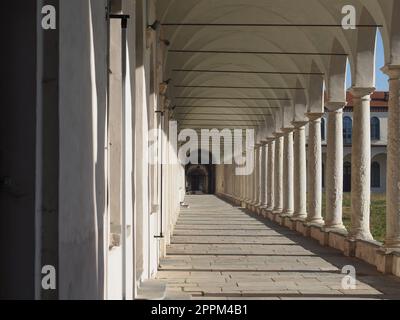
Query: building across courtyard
x=379, y=134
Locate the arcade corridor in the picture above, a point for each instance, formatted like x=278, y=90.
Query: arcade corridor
x=222, y=251
x=104, y=117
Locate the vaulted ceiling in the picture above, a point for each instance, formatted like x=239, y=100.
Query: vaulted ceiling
x=265, y=63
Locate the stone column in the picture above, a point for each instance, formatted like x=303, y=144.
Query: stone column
x=288, y=198
x=271, y=176
x=259, y=176
x=278, y=179
x=393, y=160
x=243, y=179
x=314, y=169
x=334, y=166
x=250, y=184
x=236, y=183
x=251, y=197
x=300, y=169
x=264, y=176
x=361, y=164
x=253, y=178
x=242, y=182
x=256, y=196
x=248, y=187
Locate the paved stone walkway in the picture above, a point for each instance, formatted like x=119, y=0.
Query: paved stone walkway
x=223, y=252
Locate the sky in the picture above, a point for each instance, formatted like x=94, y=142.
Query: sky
x=381, y=78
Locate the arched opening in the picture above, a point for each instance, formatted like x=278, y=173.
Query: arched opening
x=349, y=77
x=375, y=175
x=197, y=179
x=200, y=177
x=375, y=129
x=382, y=78
x=347, y=130
x=347, y=177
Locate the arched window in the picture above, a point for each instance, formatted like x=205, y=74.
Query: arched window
x=375, y=175
x=347, y=176
x=375, y=129
x=323, y=129
x=347, y=130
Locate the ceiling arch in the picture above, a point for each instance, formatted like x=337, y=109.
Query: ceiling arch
x=243, y=56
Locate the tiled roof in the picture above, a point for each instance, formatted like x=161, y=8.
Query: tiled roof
x=378, y=99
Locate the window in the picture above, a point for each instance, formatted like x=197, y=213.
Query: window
x=323, y=129
x=347, y=130
x=375, y=129
x=375, y=175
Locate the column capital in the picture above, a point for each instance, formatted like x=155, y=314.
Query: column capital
x=287, y=130
x=278, y=135
x=314, y=115
x=359, y=92
x=299, y=124
x=392, y=70
x=333, y=106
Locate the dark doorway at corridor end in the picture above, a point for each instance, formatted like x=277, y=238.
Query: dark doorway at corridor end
x=200, y=179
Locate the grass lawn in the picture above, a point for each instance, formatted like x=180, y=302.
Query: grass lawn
x=378, y=214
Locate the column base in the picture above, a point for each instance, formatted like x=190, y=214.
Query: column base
x=260, y=208
x=287, y=213
x=392, y=244
x=284, y=217
x=298, y=222
x=265, y=212
x=336, y=227
x=360, y=235
x=276, y=215
x=318, y=222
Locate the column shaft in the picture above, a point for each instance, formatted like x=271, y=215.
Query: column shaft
x=252, y=177
x=263, y=182
x=300, y=167
x=334, y=170
x=288, y=198
x=393, y=161
x=314, y=171
x=257, y=176
x=278, y=192
x=361, y=165
x=271, y=176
